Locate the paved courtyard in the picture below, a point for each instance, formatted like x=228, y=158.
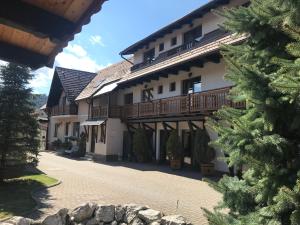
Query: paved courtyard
x=120, y=183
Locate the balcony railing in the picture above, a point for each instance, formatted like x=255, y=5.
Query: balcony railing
x=64, y=110
x=207, y=38
x=101, y=112
x=202, y=102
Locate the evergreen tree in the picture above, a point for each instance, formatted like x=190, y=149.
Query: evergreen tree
x=18, y=126
x=265, y=137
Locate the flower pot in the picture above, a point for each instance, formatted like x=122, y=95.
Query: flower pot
x=207, y=169
x=175, y=164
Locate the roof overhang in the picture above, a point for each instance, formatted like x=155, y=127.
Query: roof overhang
x=198, y=13
x=92, y=123
x=173, y=64
x=33, y=32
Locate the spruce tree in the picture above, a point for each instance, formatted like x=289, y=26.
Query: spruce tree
x=18, y=126
x=264, y=138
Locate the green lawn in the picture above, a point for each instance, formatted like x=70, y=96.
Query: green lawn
x=15, y=194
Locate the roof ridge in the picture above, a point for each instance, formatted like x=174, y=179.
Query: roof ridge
x=64, y=68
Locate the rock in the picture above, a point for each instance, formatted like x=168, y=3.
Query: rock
x=60, y=218
x=92, y=221
x=132, y=212
x=114, y=223
x=83, y=212
x=105, y=213
x=137, y=221
x=173, y=220
x=155, y=223
x=119, y=213
x=18, y=220
x=149, y=215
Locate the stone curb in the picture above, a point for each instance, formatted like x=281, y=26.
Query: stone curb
x=35, y=199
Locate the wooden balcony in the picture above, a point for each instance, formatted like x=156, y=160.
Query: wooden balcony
x=98, y=112
x=203, y=102
x=102, y=112
x=64, y=110
x=206, y=39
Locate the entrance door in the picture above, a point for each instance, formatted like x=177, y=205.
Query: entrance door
x=163, y=137
x=93, y=138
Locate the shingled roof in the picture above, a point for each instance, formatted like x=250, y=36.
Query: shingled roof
x=107, y=75
x=71, y=81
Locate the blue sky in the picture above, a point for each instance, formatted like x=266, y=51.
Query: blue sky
x=119, y=24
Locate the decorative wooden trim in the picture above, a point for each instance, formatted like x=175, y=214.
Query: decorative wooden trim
x=20, y=55
x=34, y=20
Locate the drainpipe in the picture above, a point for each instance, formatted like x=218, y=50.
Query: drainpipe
x=126, y=59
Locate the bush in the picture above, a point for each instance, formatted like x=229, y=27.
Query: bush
x=56, y=144
x=82, y=145
x=174, y=146
x=141, y=146
x=67, y=145
x=202, y=152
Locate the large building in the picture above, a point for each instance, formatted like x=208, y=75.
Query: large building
x=174, y=79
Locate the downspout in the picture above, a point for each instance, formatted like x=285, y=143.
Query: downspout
x=126, y=59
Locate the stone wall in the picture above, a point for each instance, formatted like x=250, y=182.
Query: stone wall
x=93, y=214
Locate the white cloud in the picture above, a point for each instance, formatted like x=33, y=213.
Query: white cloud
x=76, y=50
x=73, y=57
x=96, y=40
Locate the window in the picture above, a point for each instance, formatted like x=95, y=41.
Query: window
x=160, y=89
x=67, y=129
x=147, y=95
x=174, y=41
x=161, y=47
x=56, y=129
x=191, y=86
x=76, y=128
x=192, y=35
x=149, y=55
x=128, y=98
x=173, y=86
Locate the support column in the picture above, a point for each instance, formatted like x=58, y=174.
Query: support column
x=157, y=139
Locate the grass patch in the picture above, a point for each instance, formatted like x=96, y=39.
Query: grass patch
x=15, y=194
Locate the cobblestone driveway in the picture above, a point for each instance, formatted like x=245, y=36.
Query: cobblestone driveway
x=120, y=183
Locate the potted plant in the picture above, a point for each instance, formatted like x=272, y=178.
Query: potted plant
x=174, y=150
x=141, y=146
x=56, y=144
x=203, y=153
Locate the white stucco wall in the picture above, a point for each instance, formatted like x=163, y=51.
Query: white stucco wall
x=114, y=137
x=212, y=77
x=63, y=119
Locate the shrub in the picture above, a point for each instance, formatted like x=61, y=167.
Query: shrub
x=82, y=145
x=202, y=152
x=56, y=144
x=141, y=146
x=67, y=145
x=174, y=146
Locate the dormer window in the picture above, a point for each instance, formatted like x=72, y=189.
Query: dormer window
x=193, y=35
x=149, y=55
x=161, y=47
x=174, y=41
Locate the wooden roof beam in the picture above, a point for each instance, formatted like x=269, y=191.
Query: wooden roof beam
x=34, y=20
x=20, y=55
